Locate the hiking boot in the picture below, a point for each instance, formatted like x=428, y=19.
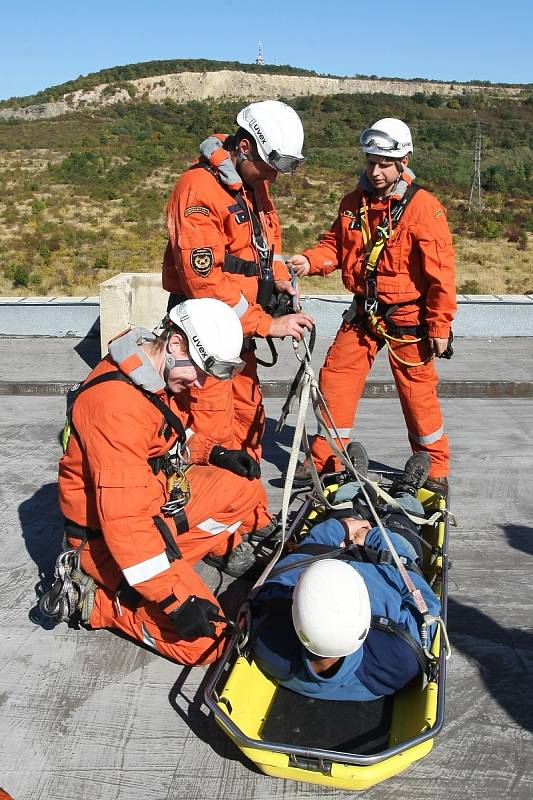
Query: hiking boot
x=359, y=457
x=437, y=485
x=266, y=533
x=240, y=560
x=414, y=474
x=302, y=474
x=86, y=588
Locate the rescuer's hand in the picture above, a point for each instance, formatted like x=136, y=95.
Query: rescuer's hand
x=285, y=286
x=295, y=325
x=238, y=461
x=195, y=618
x=300, y=264
x=438, y=346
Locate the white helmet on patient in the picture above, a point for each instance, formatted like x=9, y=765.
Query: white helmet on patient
x=214, y=335
x=331, y=608
x=277, y=131
x=387, y=137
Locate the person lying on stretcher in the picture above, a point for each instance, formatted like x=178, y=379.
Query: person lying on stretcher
x=343, y=628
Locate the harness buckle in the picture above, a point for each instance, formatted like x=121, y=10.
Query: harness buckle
x=371, y=299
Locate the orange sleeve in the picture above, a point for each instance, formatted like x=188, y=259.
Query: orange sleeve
x=437, y=256
x=326, y=256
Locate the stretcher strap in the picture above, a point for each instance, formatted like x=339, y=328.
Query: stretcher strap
x=291, y=469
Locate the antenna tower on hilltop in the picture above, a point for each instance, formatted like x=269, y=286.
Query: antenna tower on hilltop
x=260, y=60
x=476, y=203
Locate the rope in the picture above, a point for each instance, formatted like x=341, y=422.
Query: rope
x=378, y=327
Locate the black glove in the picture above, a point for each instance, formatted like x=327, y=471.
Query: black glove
x=194, y=618
x=448, y=353
x=238, y=461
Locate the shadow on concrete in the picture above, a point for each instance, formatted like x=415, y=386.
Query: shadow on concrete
x=275, y=444
x=520, y=537
x=192, y=711
x=89, y=348
x=42, y=529
x=504, y=657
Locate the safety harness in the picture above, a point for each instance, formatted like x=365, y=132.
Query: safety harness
x=377, y=314
x=170, y=463
x=66, y=593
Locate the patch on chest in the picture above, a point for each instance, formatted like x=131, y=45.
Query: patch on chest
x=240, y=213
x=202, y=260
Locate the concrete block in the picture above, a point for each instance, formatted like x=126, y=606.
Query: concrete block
x=130, y=299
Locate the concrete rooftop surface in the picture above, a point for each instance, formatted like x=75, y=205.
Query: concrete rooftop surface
x=92, y=716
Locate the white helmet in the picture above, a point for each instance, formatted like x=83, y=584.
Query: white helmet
x=277, y=131
x=387, y=137
x=214, y=334
x=331, y=608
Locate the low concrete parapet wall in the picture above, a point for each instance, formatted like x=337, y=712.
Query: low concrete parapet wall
x=50, y=316
x=132, y=299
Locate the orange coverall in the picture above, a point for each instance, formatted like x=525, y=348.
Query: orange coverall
x=108, y=486
x=206, y=224
x=416, y=270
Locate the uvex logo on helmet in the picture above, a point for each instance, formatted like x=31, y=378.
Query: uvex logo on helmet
x=254, y=125
x=199, y=346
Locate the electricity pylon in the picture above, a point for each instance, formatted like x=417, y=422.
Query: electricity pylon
x=476, y=202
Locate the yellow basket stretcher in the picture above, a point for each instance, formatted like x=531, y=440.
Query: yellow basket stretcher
x=252, y=708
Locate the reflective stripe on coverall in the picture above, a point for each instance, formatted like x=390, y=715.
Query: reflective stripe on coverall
x=416, y=270
x=205, y=224
x=109, y=485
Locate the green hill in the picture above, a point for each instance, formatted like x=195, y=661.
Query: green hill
x=83, y=195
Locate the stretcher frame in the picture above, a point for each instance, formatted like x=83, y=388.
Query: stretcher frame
x=240, y=696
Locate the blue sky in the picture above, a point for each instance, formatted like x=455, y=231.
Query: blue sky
x=46, y=42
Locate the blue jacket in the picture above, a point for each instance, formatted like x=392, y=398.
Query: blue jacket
x=384, y=664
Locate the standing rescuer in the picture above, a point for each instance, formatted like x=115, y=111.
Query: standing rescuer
x=225, y=242
x=391, y=240
x=145, y=497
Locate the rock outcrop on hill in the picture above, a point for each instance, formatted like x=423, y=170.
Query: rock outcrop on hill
x=182, y=87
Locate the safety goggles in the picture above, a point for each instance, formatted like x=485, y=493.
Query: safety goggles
x=285, y=164
x=374, y=138
x=223, y=370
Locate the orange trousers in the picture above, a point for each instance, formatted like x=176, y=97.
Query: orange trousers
x=219, y=500
x=232, y=413
x=342, y=382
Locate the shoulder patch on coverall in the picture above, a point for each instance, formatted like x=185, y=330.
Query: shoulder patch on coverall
x=202, y=260
x=197, y=210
